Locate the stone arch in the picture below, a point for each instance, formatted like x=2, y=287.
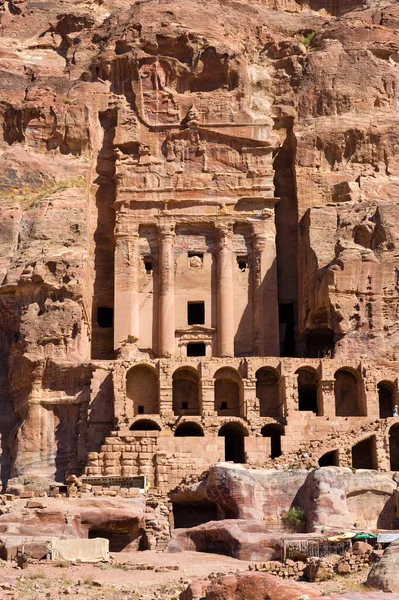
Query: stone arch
x=186, y=391
x=233, y=433
x=308, y=383
x=386, y=398
x=267, y=391
x=145, y=425
x=189, y=429
x=142, y=389
x=364, y=454
x=329, y=459
x=394, y=447
x=346, y=391
x=274, y=432
x=227, y=392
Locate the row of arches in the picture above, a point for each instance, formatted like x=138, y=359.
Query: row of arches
x=233, y=433
x=364, y=453
x=143, y=389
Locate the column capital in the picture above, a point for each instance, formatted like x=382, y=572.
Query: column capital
x=225, y=233
x=166, y=230
x=126, y=228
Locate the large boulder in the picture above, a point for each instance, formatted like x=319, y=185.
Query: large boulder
x=253, y=586
x=70, y=518
x=238, y=538
x=384, y=575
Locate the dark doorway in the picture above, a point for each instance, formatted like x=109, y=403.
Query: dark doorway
x=319, y=343
x=386, y=393
x=287, y=329
x=195, y=313
x=145, y=425
x=189, y=430
x=192, y=514
x=105, y=317
x=329, y=459
x=308, y=381
x=364, y=454
x=394, y=447
x=196, y=349
x=233, y=435
x=117, y=540
x=274, y=432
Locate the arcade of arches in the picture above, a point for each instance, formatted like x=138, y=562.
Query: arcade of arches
x=180, y=416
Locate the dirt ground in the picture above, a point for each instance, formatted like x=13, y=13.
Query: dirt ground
x=159, y=576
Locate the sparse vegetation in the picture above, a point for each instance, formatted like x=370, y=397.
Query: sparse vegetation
x=295, y=517
x=61, y=564
x=28, y=197
x=307, y=39
x=36, y=575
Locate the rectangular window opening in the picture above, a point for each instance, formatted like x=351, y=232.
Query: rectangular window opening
x=196, y=349
x=196, y=313
x=105, y=317
x=140, y=410
x=242, y=262
x=148, y=264
x=184, y=405
x=195, y=260
x=223, y=406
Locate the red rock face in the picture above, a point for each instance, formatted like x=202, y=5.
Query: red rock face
x=101, y=100
x=250, y=585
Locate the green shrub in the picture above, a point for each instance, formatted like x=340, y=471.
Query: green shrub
x=307, y=40
x=295, y=517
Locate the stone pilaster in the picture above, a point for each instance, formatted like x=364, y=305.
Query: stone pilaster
x=225, y=290
x=167, y=341
x=265, y=300
x=126, y=305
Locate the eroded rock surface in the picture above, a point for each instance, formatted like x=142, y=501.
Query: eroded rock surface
x=102, y=105
x=331, y=498
x=249, y=585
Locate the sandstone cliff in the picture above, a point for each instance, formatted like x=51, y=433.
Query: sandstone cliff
x=326, y=74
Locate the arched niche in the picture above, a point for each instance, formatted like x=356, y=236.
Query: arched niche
x=329, y=459
x=346, y=391
x=274, y=432
x=386, y=398
x=308, y=382
x=227, y=392
x=233, y=434
x=188, y=429
x=364, y=454
x=145, y=425
x=267, y=391
x=186, y=392
x=142, y=389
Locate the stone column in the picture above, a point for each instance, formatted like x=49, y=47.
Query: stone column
x=327, y=405
x=126, y=305
x=225, y=290
x=265, y=300
x=166, y=325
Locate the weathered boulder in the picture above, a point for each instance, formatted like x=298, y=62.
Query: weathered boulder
x=254, y=586
x=238, y=538
x=70, y=518
x=384, y=575
x=332, y=498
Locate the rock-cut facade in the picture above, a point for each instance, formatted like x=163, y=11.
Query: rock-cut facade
x=198, y=257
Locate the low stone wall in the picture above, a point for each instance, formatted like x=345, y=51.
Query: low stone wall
x=321, y=569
